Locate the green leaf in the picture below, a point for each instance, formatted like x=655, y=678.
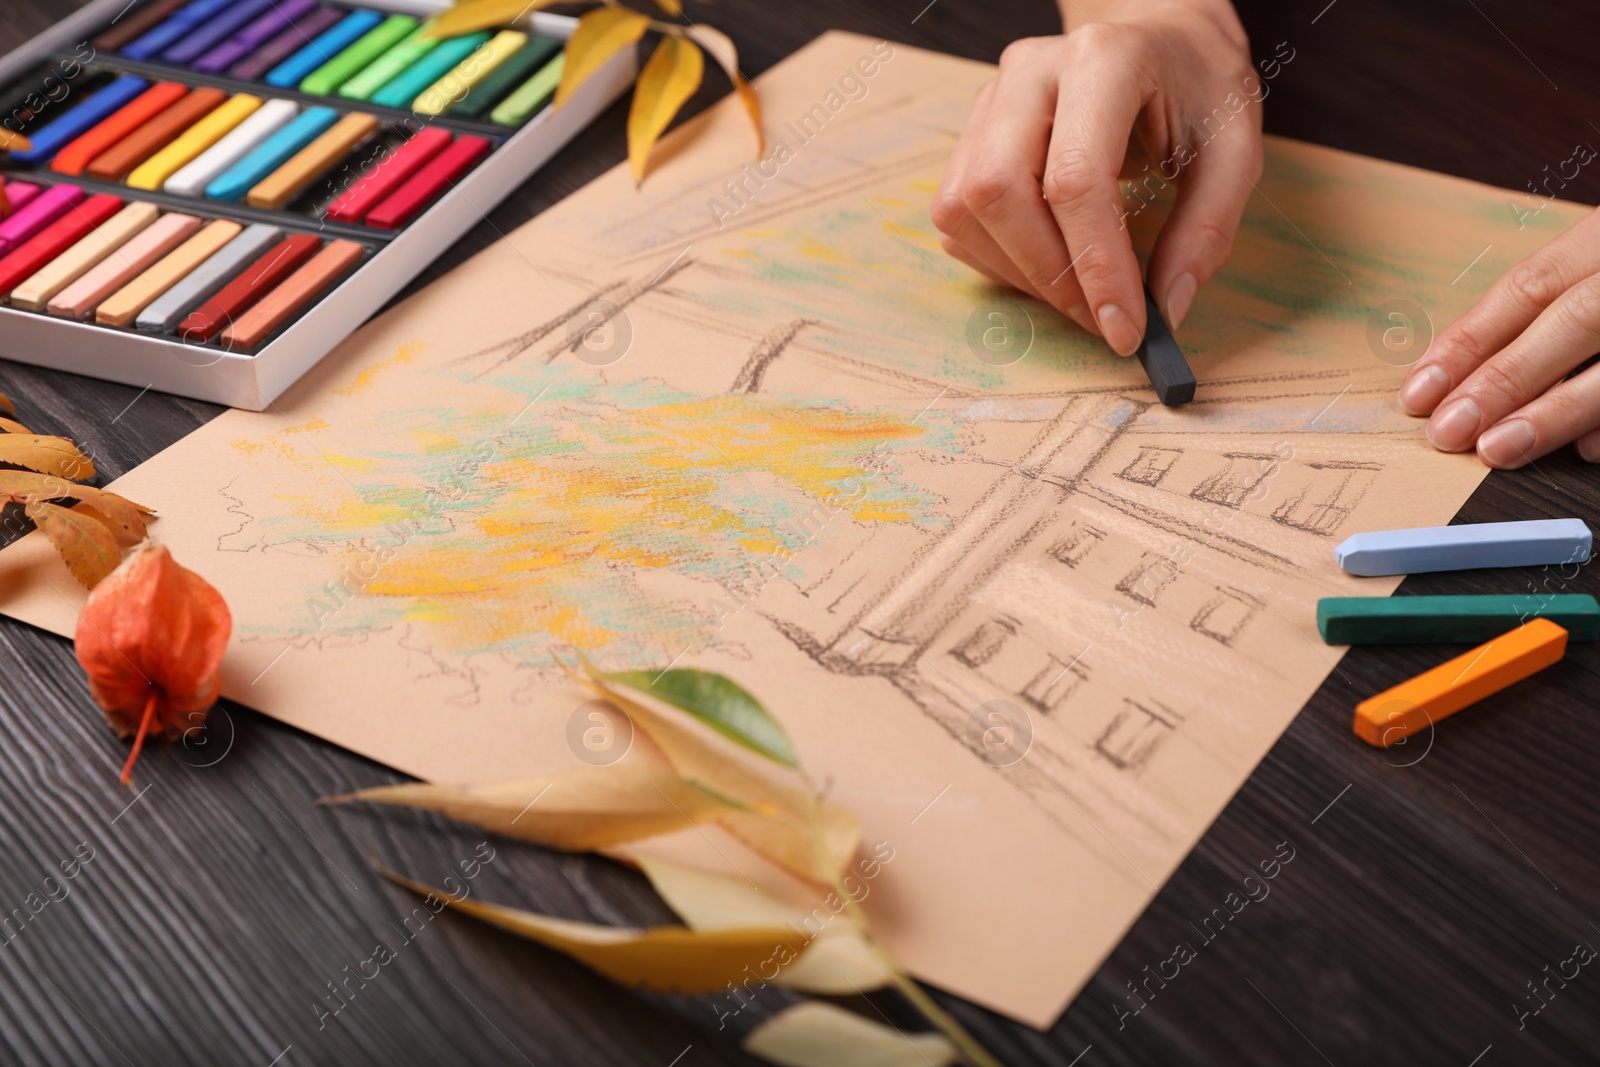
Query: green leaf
x=720, y=703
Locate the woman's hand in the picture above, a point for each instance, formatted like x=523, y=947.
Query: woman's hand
x=1497, y=377
x=1156, y=90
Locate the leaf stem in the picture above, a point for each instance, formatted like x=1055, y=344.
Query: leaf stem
x=138, y=740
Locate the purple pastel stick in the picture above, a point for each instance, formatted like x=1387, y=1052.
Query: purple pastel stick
x=38, y=213
x=253, y=36
x=285, y=44
x=217, y=28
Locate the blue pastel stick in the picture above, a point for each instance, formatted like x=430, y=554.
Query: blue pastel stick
x=323, y=47
x=174, y=26
x=196, y=43
x=270, y=154
x=1459, y=548
x=409, y=84
x=50, y=139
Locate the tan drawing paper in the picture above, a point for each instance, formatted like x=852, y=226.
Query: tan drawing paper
x=784, y=460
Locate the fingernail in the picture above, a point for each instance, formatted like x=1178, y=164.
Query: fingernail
x=1453, y=426
x=1180, y=294
x=1118, y=329
x=1510, y=444
x=1423, y=390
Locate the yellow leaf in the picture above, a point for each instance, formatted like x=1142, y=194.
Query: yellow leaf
x=671, y=7
x=580, y=810
x=86, y=545
x=814, y=1034
x=470, y=16
x=47, y=455
x=601, y=34
x=5, y=402
x=14, y=142
x=669, y=79
x=722, y=49
x=837, y=962
x=665, y=959
x=778, y=821
x=13, y=426
x=122, y=516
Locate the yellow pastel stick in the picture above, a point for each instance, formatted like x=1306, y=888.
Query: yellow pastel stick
x=153, y=172
x=439, y=96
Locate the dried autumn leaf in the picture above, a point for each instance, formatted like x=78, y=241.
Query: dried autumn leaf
x=13, y=426
x=837, y=962
x=470, y=16
x=585, y=809
x=671, y=7
x=779, y=822
x=47, y=455
x=85, y=542
x=601, y=34
x=13, y=142
x=150, y=639
x=814, y=1034
x=121, y=515
x=665, y=959
x=723, y=50
x=667, y=81
x=5, y=402
x=720, y=703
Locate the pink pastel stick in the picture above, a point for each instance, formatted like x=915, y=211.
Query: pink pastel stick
x=19, y=193
x=40, y=211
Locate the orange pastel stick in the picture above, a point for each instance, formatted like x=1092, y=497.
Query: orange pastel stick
x=1396, y=714
x=135, y=113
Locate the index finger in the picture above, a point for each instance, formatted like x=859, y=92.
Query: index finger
x=1100, y=99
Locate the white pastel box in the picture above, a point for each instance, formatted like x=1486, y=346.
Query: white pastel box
x=253, y=380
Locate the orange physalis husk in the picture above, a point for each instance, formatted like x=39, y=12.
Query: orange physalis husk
x=151, y=639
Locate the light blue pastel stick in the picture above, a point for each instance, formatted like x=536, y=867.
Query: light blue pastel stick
x=271, y=154
x=52, y=138
x=409, y=84
x=1459, y=548
x=204, y=281
x=323, y=47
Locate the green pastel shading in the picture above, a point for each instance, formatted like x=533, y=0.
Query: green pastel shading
x=531, y=96
x=350, y=62
x=388, y=66
x=503, y=78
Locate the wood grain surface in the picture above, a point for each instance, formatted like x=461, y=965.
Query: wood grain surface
x=1428, y=887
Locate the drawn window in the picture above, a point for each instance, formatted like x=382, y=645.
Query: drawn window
x=1324, y=505
x=1054, y=684
x=1150, y=465
x=1237, y=480
x=1076, y=543
x=1135, y=734
x=1224, y=615
x=1146, y=581
x=985, y=642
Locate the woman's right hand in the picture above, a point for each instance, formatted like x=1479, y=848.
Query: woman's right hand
x=1031, y=198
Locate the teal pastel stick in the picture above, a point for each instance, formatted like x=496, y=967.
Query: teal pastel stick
x=322, y=49
x=1443, y=620
x=410, y=83
x=271, y=154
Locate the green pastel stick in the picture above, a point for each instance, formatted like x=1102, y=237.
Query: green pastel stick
x=1438, y=620
x=350, y=62
x=515, y=109
x=411, y=82
x=502, y=79
x=389, y=65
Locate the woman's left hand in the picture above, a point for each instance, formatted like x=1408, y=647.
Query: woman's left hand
x=1497, y=378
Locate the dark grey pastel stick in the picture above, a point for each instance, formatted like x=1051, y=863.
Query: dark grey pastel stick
x=1162, y=359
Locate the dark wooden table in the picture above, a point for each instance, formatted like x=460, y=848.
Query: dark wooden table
x=1422, y=900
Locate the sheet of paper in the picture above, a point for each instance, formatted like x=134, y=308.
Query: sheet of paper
x=1035, y=628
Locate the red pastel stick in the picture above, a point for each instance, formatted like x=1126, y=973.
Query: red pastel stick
x=141, y=109
x=256, y=281
x=354, y=203
x=44, y=246
x=429, y=183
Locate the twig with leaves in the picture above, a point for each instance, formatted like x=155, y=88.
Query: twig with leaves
x=695, y=767
x=668, y=79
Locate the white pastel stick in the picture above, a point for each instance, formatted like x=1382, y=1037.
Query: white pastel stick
x=193, y=177
x=203, y=282
x=1456, y=548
